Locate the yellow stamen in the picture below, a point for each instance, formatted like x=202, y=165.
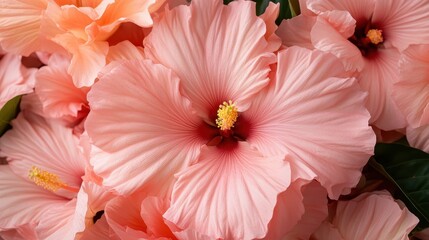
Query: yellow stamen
x=375, y=36
x=48, y=180
x=227, y=115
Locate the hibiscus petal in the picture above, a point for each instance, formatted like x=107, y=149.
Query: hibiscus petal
x=136, y=11
x=123, y=216
x=228, y=194
x=44, y=144
x=299, y=211
x=358, y=9
x=23, y=201
x=56, y=90
x=15, y=79
x=373, y=216
x=86, y=62
x=100, y=231
x=404, y=22
x=325, y=37
x=58, y=223
x=21, y=22
x=419, y=138
x=316, y=210
x=148, y=130
x=378, y=77
x=152, y=210
x=411, y=93
x=219, y=52
x=24, y=232
x=296, y=31
x=317, y=115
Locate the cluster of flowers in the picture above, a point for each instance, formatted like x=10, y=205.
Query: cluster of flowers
x=156, y=119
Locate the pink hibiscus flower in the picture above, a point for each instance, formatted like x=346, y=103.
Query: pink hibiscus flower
x=216, y=131
x=43, y=178
x=15, y=79
x=369, y=216
x=368, y=36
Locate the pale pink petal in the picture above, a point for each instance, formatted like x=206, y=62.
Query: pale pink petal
x=91, y=199
x=269, y=16
x=15, y=79
x=316, y=210
x=229, y=193
x=31, y=105
x=325, y=37
x=44, y=144
x=23, y=201
x=378, y=77
x=373, y=216
x=122, y=51
x=359, y=10
x=314, y=112
x=123, y=216
x=24, y=232
x=419, y=137
x=219, y=52
x=146, y=127
x=55, y=88
x=21, y=23
x=190, y=234
x=58, y=223
x=152, y=210
x=411, y=93
x=403, y=22
x=327, y=231
x=296, y=31
x=100, y=231
x=287, y=212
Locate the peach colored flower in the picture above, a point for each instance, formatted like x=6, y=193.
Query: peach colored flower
x=411, y=93
x=369, y=216
x=80, y=27
x=15, y=79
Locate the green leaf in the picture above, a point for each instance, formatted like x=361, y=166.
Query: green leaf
x=408, y=169
x=8, y=112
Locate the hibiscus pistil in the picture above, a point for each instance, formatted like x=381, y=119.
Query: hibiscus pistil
x=227, y=115
x=375, y=36
x=48, y=181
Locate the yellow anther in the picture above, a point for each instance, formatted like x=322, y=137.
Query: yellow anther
x=227, y=115
x=46, y=179
x=375, y=36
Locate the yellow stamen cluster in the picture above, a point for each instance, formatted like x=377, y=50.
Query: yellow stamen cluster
x=227, y=115
x=375, y=36
x=45, y=179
